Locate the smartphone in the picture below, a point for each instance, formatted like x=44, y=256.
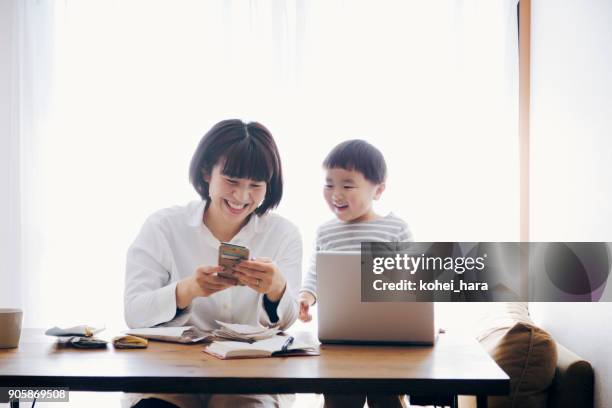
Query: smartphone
x=230, y=255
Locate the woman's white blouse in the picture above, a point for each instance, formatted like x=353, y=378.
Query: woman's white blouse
x=173, y=242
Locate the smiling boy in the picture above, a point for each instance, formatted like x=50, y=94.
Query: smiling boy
x=355, y=178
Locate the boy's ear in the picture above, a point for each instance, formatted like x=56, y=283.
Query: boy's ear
x=379, y=190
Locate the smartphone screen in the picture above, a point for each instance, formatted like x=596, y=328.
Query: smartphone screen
x=230, y=255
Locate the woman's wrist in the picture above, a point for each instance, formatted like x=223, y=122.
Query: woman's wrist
x=276, y=293
x=184, y=292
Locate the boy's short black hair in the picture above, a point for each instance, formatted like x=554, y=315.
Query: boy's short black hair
x=246, y=150
x=360, y=156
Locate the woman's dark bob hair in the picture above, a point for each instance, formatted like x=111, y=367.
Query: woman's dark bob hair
x=245, y=150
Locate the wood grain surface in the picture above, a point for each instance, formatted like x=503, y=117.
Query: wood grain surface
x=455, y=365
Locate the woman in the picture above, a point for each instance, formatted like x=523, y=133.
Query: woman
x=172, y=273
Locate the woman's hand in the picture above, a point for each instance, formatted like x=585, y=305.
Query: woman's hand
x=262, y=276
x=306, y=300
x=204, y=282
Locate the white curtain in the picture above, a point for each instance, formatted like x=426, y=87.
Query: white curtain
x=27, y=55
x=114, y=96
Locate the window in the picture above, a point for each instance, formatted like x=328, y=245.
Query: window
x=130, y=87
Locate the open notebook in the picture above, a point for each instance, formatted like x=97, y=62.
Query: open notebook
x=274, y=346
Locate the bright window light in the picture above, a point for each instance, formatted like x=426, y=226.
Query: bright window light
x=135, y=84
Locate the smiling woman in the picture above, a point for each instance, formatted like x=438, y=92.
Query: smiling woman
x=172, y=275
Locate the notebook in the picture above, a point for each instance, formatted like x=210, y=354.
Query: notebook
x=272, y=347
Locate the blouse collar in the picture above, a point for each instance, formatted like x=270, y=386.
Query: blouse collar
x=246, y=233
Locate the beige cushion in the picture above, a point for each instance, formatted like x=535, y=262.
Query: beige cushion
x=525, y=352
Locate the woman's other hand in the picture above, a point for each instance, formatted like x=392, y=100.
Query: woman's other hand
x=262, y=276
x=204, y=282
x=306, y=300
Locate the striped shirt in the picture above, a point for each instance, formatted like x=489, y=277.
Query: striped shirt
x=336, y=235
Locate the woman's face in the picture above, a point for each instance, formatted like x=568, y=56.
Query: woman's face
x=234, y=199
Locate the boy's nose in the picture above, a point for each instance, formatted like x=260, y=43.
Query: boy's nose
x=337, y=196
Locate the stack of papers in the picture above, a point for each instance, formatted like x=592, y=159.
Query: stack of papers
x=181, y=334
x=191, y=334
x=243, y=332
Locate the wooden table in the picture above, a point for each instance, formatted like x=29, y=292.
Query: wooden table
x=455, y=365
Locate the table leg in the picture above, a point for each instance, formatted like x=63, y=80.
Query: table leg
x=481, y=401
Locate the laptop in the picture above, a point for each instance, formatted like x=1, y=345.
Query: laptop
x=343, y=318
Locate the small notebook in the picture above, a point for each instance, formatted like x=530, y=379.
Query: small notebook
x=272, y=347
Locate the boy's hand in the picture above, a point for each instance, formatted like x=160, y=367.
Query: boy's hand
x=306, y=300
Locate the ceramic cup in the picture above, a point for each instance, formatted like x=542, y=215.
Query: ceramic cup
x=10, y=327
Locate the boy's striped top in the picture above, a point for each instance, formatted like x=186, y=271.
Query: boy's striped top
x=336, y=235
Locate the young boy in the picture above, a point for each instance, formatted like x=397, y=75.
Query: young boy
x=355, y=177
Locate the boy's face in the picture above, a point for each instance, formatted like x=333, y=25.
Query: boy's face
x=349, y=195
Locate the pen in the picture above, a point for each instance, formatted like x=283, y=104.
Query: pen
x=287, y=343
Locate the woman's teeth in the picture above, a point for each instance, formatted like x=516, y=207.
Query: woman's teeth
x=235, y=206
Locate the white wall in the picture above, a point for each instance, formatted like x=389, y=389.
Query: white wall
x=571, y=133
